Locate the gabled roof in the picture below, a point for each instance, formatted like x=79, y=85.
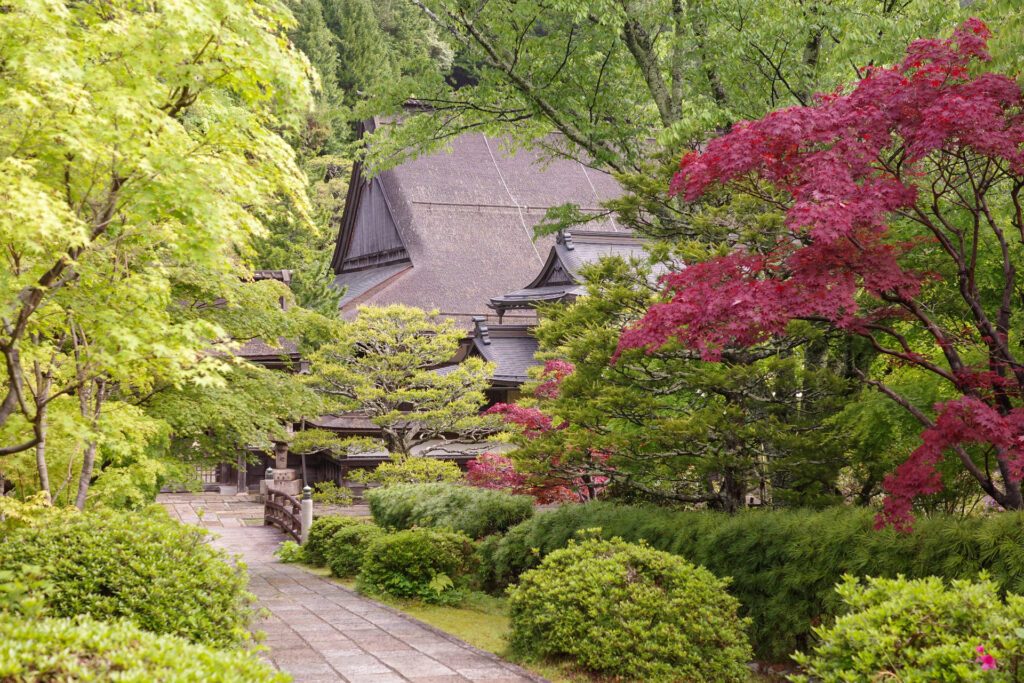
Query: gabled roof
x=461, y=224
x=510, y=347
x=559, y=279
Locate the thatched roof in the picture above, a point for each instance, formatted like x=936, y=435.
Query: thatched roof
x=448, y=231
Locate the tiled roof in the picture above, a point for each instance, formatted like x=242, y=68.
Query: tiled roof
x=284, y=276
x=257, y=348
x=510, y=347
x=360, y=282
x=559, y=279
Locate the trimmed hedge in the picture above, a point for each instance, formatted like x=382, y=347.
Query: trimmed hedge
x=320, y=533
x=156, y=572
x=347, y=548
x=628, y=610
x=474, y=511
x=428, y=564
x=87, y=650
x=784, y=564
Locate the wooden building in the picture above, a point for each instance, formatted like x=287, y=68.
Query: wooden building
x=450, y=230
x=453, y=232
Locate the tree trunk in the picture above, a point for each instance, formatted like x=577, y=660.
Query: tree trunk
x=84, y=479
x=44, y=473
x=89, y=459
x=732, y=491
x=40, y=425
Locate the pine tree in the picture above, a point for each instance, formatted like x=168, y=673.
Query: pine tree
x=362, y=53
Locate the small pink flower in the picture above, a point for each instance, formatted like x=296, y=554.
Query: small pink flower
x=988, y=662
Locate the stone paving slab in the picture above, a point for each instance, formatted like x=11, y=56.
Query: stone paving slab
x=322, y=632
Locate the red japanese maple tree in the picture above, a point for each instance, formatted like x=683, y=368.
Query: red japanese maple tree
x=904, y=225
x=561, y=480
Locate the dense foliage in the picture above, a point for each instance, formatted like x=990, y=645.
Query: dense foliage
x=473, y=511
x=126, y=201
x=160, y=574
x=783, y=564
x=669, y=427
x=628, y=610
x=918, y=631
x=347, y=548
x=411, y=470
x=320, y=534
x=903, y=226
x=613, y=78
x=85, y=649
x=429, y=564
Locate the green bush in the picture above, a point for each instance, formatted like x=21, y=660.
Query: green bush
x=346, y=549
x=474, y=511
x=501, y=559
x=290, y=552
x=429, y=564
x=329, y=493
x=628, y=610
x=320, y=532
x=410, y=469
x=920, y=630
x=87, y=650
x=784, y=564
x=156, y=572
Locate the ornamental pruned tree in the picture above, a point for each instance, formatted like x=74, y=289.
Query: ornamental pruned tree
x=384, y=365
x=904, y=226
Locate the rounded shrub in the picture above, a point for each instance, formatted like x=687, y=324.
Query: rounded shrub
x=920, y=630
x=628, y=610
x=346, y=549
x=320, y=532
x=152, y=570
x=428, y=564
x=89, y=650
x=474, y=511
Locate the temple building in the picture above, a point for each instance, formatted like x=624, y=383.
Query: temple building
x=453, y=232
x=450, y=230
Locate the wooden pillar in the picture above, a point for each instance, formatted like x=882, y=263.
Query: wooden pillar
x=243, y=486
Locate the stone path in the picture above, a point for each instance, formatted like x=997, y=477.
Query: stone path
x=319, y=631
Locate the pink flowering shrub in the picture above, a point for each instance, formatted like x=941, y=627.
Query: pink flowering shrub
x=987, y=661
x=920, y=630
x=554, y=373
x=558, y=480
